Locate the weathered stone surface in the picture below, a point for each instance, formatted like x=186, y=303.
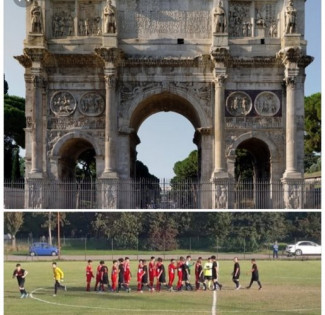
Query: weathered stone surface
x=95, y=70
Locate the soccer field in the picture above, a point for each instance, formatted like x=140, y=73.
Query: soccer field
x=289, y=287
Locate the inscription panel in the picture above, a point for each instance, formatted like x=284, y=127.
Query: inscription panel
x=164, y=19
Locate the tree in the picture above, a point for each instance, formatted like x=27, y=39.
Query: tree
x=14, y=135
x=187, y=169
x=244, y=165
x=5, y=86
x=313, y=123
x=15, y=171
x=13, y=222
x=86, y=165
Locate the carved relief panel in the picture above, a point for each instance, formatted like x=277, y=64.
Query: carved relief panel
x=89, y=18
x=92, y=104
x=240, y=24
x=239, y=104
x=63, y=14
x=266, y=18
x=267, y=104
x=63, y=104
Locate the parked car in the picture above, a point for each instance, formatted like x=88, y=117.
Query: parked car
x=43, y=249
x=304, y=248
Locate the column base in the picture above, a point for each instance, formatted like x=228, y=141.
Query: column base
x=109, y=175
x=292, y=175
x=34, y=193
x=222, y=193
x=293, y=192
x=219, y=174
x=108, y=193
x=35, y=174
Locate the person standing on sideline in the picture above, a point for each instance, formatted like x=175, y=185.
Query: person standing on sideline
x=255, y=275
x=20, y=274
x=275, y=250
x=58, y=277
x=89, y=274
x=236, y=273
x=215, y=273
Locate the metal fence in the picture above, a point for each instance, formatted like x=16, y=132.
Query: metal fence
x=163, y=194
x=196, y=246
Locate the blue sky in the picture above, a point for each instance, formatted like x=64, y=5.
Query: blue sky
x=165, y=137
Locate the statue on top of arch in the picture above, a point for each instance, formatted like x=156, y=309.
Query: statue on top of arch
x=36, y=18
x=290, y=18
x=220, y=19
x=110, y=18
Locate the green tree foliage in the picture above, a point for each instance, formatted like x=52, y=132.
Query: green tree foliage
x=86, y=165
x=13, y=221
x=187, y=169
x=14, y=135
x=244, y=165
x=15, y=171
x=5, y=87
x=313, y=123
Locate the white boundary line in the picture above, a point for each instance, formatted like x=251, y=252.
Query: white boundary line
x=214, y=303
x=214, y=307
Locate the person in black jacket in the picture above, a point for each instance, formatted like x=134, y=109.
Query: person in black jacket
x=255, y=275
x=236, y=273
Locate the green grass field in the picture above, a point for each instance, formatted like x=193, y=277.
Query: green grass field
x=289, y=287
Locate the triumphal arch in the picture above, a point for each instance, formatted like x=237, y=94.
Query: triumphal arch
x=95, y=70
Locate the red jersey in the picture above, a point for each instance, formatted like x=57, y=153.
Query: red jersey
x=140, y=273
x=114, y=271
x=171, y=269
x=99, y=272
x=127, y=272
x=89, y=272
x=152, y=269
x=180, y=269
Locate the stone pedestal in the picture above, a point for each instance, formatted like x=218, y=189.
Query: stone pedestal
x=108, y=193
x=293, y=193
x=290, y=40
x=36, y=41
x=34, y=194
x=109, y=40
x=220, y=40
x=223, y=194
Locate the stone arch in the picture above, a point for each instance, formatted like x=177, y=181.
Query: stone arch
x=177, y=100
x=67, y=150
x=274, y=152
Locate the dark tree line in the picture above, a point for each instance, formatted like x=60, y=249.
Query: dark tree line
x=169, y=230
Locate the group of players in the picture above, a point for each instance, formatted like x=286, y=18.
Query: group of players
x=151, y=275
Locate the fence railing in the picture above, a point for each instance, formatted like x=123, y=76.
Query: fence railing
x=163, y=194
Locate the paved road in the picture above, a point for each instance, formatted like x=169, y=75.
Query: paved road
x=222, y=256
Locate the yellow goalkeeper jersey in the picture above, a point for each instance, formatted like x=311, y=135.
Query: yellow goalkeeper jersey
x=58, y=274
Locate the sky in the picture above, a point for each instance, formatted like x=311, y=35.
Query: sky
x=165, y=137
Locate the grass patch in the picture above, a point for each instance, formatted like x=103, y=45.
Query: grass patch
x=289, y=287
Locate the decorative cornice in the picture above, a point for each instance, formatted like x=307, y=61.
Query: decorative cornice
x=220, y=54
x=289, y=54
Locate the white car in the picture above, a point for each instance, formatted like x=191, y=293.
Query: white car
x=304, y=248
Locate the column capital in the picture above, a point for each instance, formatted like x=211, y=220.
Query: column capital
x=220, y=79
x=110, y=55
x=289, y=55
x=110, y=80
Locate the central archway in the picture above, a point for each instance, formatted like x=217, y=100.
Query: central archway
x=170, y=102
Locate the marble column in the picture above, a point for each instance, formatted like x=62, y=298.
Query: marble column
x=219, y=128
x=110, y=124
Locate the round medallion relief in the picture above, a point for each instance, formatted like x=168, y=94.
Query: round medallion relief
x=239, y=104
x=63, y=104
x=267, y=104
x=92, y=104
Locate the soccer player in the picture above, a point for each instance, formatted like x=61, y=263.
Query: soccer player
x=20, y=274
x=152, y=272
x=180, y=273
x=89, y=274
x=255, y=275
x=140, y=274
x=186, y=275
x=127, y=274
x=161, y=274
x=103, y=278
x=98, y=274
x=207, y=271
x=120, y=274
x=215, y=273
x=114, y=275
x=145, y=275
x=171, y=273
x=236, y=273
x=198, y=273
x=58, y=277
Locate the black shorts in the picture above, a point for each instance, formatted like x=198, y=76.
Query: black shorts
x=105, y=280
x=144, y=279
x=214, y=276
x=208, y=278
x=21, y=282
x=120, y=278
x=162, y=279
